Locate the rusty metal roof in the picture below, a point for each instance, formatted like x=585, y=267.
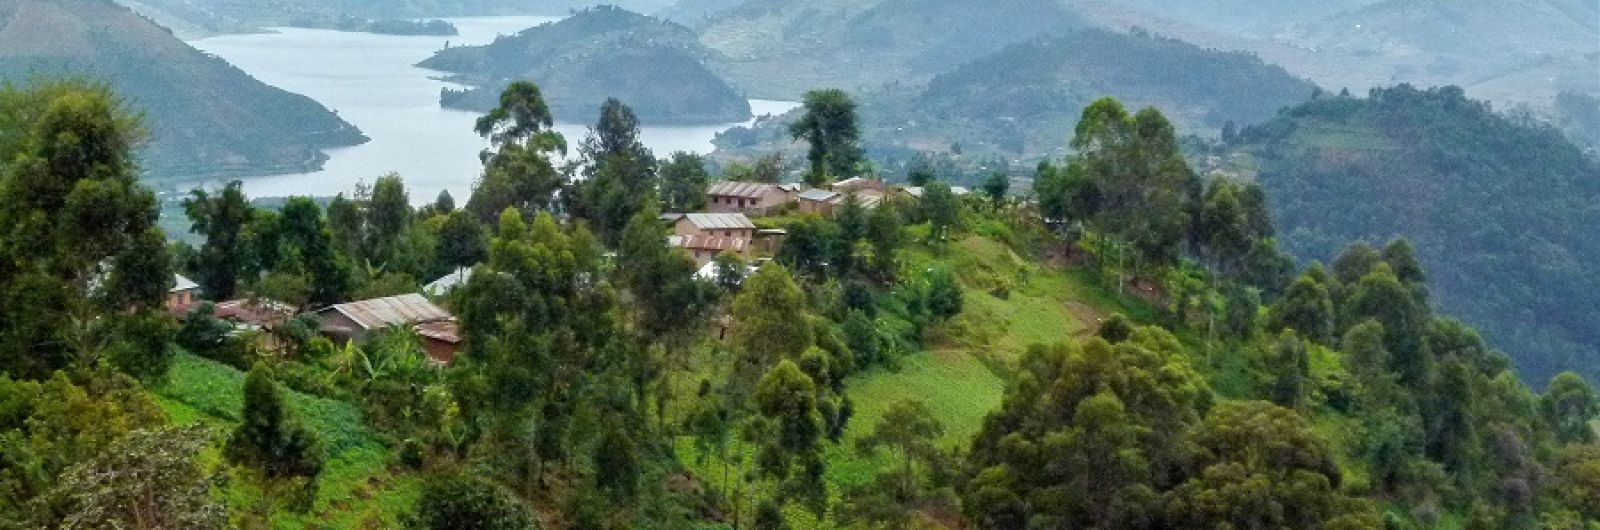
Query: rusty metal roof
x=400, y=310
x=708, y=243
x=443, y=330
x=720, y=221
x=744, y=190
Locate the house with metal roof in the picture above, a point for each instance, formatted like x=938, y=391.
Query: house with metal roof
x=749, y=198
x=706, y=248
x=728, y=225
x=356, y=321
x=182, y=296
x=448, y=282
x=818, y=201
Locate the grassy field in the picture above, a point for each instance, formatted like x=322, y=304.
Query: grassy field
x=359, y=487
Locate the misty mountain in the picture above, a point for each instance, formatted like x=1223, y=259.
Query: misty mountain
x=655, y=66
x=206, y=118
x=695, y=12
x=779, y=49
x=194, y=17
x=1501, y=209
x=1022, y=102
x=1248, y=16
x=1503, y=50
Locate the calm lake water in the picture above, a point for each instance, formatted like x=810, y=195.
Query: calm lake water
x=371, y=82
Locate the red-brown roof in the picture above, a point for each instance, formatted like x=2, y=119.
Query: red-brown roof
x=258, y=312
x=443, y=330
x=703, y=242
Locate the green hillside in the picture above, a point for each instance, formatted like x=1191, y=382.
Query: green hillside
x=779, y=49
x=653, y=65
x=205, y=117
x=1502, y=210
x=1019, y=103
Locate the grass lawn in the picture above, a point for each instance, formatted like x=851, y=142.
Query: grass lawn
x=358, y=486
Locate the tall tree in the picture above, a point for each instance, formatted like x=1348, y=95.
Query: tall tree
x=270, y=440
x=1570, y=407
x=388, y=216
x=683, y=183
x=621, y=173
x=148, y=479
x=831, y=127
x=518, y=171
x=463, y=242
x=764, y=329
x=221, y=220
x=70, y=204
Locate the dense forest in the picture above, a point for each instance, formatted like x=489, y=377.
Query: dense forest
x=206, y=116
x=595, y=53
x=1500, y=208
x=1130, y=349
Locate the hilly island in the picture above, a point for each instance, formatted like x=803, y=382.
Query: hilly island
x=205, y=117
x=657, y=66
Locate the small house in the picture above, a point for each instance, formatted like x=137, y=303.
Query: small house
x=819, y=202
x=182, y=296
x=448, y=282
x=441, y=339
x=724, y=225
x=356, y=321
x=706, y=248
x=749, y=198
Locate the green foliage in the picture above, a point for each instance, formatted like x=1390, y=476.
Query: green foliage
x=683, y=183
x=1432, y=165
x=518, y=171
x=221, y=220
x=49, y=426
x=833, y=130
x=457, y=500
x=1261, y=466
x=147, y=479
x=621, y=173
x=1570, y=406
x=269, y=438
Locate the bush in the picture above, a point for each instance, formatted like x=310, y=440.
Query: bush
x=460, y=501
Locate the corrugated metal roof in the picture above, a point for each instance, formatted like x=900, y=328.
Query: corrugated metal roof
x=400, y=310
x=449, y=281
x=744, y=190
x=708, y=243
x=443, y=330
x=180, y=284
x=720, y=221
x=254, y=311
x=817, y=195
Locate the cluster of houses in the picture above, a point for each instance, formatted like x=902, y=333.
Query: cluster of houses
x=725, y=226
x=354, y=321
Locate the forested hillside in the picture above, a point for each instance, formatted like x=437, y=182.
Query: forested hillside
x=1502, y=210
x=206, y=118
x=1018, y=103
x=597, y=53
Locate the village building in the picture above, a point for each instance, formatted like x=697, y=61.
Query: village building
x=818, y=202
x=263, y=315
x=448, y=282
x=706, y=248
x=726, y=225
x=182, y=296
x=356, y=321
x=861, y=186
x=749, y=198
x=915, y=192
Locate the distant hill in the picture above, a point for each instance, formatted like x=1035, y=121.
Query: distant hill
x=1477, y=44
x=200, y=17
x=206, y=117
x=780, y=48
x=694, y=12
x=1247, y=16
x=1502, y=211
x=654, y=66
x=1022, y=102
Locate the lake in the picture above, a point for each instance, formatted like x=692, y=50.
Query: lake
x=371, y=82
